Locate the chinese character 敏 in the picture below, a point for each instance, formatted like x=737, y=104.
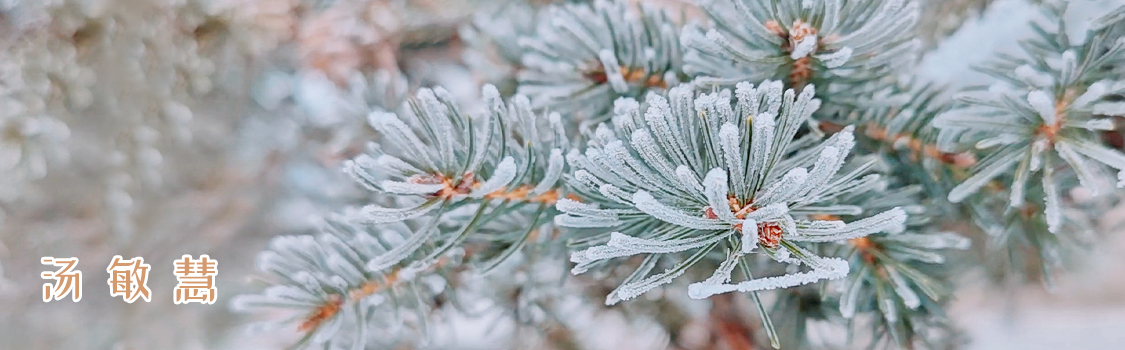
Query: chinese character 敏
x=67, y=279
x=128, y=278
x=196, y=279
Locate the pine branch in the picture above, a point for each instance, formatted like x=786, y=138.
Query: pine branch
x=752, y=195
x=846, y=49
x=503, y=167
x=584, y=56
x=326, y=281
x=1050, y=113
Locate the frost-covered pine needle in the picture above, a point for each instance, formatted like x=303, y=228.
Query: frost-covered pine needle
x=846, y=47
x=583, y=56
x=740, y=148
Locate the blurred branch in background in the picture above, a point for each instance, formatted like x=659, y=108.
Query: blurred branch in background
x=158, y=128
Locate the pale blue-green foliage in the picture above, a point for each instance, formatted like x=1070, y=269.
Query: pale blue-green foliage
x=712, y=172
x=448, y=169
x=583, y=56
x=848, y=49
x=662, y=179
x=1033, y=132
x=1048, y=114
x=492, y=39
x=899, y=277
x=326, y=283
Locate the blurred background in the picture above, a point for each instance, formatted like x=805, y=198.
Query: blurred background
x=158, y=128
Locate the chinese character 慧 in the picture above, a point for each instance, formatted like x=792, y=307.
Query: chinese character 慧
x=196, y=279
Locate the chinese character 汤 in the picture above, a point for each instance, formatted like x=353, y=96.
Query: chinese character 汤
x=67, y=279
x=196, y=279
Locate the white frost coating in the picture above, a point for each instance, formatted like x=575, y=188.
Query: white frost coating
x=571, y=206
x=889, y=309
x=1093, y=93
x=626, y=107
x=636, y=245
x=1019, y=185
x=401, y=251
x=1044, y=105
x=909, y=298
x=784, y=189
x=399, y=187
x=835, y=269
x=389, y=163
x=436, y=115
x=409, y=272
x=554, y=171
x=603, y=134
x=688, y=178
x=1037, y=149
x=850, y=298
x=722, y=273
x=489, y=93
x=504, y=173
x=626, y=165
x=769, y=212
x=613, y=71
x=598, y=164
x=942, y=240
x=1053, y=209
x=583, y=177
x=360, y=175
x=823, y=169
x=338, y=265
x=999, y=140
x=805, y=47
x=643, y=143
x=836, y=59
x=615, y=193
x=821, y=225
x=1110, y=108
x=1069, y=66
x=1101, y=153
x=646, y=203
x=585, y=221
x=1032, y=77
x=1099, y=124
x=830, y=161
x=978, y=180
x=730, y=138
x=716, y=191
x=374, y=214
x=761, y=145
x=632, y=290
x=665, y=127
x=889, y=221
x=398, y=133
x=749, y=235
x=555, y=119
x=1113, y=17
x=999, y=123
